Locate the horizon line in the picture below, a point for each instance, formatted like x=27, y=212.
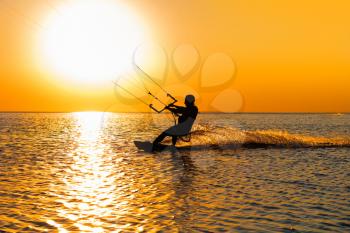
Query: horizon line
x=204, y=112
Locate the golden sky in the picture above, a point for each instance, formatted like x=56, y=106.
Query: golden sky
x=289, y=56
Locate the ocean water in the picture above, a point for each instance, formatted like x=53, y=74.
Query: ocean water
x=80, y=172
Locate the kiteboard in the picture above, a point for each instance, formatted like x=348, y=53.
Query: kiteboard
x=147, y=146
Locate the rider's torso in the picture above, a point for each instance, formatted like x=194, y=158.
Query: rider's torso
x=190, y=113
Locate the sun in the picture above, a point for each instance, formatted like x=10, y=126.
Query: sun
x=90, y=41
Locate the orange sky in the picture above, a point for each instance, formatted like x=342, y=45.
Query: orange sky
x=290, y=56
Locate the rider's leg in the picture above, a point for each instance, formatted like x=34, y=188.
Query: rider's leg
x=174, y=139
x=160, y=138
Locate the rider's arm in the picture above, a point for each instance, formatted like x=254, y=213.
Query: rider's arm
x=176, y=109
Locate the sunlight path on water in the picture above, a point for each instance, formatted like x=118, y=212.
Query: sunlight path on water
x=95, y=191
x=89, y=187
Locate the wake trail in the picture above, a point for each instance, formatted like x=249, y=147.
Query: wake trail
x=209, y=135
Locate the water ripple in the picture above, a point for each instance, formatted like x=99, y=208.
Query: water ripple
x=80, y=172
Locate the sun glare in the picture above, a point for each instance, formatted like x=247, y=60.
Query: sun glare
x=90, y=41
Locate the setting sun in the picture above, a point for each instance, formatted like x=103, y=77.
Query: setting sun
x=89, y=42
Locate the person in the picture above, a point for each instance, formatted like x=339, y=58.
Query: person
x=187, y=115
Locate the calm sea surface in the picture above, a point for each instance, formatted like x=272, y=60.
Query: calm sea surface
x=80, y=172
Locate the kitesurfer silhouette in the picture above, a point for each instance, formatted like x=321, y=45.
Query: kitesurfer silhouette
x=186, y=117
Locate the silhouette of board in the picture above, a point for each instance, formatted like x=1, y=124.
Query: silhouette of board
x=147, y=146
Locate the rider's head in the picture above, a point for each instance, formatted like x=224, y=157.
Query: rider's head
x=189, y=100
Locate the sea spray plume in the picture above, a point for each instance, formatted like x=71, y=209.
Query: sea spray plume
x=217, y=135
x=277, y=138
x=205, y=135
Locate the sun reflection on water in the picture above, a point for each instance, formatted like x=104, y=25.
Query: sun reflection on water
x=100, y=188
x=90, y=125
x=89, y=184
